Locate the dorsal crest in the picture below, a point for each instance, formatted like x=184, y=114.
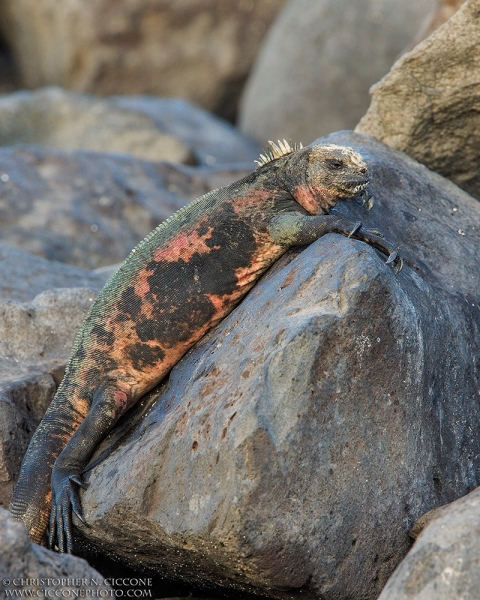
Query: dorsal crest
x=276, y=150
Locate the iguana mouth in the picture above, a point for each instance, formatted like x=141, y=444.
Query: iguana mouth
x=359, y=188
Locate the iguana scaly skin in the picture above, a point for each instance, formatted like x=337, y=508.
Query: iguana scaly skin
x=178, y=283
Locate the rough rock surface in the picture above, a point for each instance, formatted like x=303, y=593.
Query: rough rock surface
x=428, y=105
x=44, y=328
x=444, y=563
x=90, y=209
x=35, y=342
x=293, y=448
x=23, y=564
x=318, y=62
x=146, y=127
x=201, y=50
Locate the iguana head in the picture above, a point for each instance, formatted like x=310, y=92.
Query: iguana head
x=331, y=173
x=317, y=176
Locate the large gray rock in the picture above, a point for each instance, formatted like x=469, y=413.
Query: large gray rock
x=28, y=570
x=200, y=50
x=428, y=105
x=90, y=209
x=445, y=561
x=25, y=393
x=35, y=342
x=292, y=449
x=23, y=275
x=144, y=126
x=44, y=328
x=318, y=62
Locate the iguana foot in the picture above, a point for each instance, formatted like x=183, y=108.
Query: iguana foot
x=65, y=500
x=376, y=239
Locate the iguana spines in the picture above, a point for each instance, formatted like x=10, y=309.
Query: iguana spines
x=277, y=151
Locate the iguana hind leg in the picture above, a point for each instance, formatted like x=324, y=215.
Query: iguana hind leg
x=110, y=401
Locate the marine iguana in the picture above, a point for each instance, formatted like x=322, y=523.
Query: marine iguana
x=178, y=283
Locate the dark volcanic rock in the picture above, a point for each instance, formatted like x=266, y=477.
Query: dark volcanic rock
x=25, y=394
x=293, y=448
x=44, y=328
x=444, y=562
x=90, y=209
x=23, y=565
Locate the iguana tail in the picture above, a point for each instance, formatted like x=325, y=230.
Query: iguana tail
x=31, y=500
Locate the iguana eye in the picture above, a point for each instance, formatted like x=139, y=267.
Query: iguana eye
x=336, y=164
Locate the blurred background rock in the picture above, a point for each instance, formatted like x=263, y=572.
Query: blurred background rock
x=318, y=61
x=313, y=60
x=201, y=50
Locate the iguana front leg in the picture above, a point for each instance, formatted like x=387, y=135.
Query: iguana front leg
x=293, y=229
x=109, y=403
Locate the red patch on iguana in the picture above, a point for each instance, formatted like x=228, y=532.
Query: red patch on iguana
x=142, y=287
x=261, y=260
x=186, y=244
x=121, y=400
x=250, y=201
x=315, y=203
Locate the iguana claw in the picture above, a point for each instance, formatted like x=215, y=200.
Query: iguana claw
x=65, y=501
x=356, y=227
x=394, y=257
x=368, y=199
x=76, y=479
x=391, y=257
x=376, y=232
x=399, y=266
